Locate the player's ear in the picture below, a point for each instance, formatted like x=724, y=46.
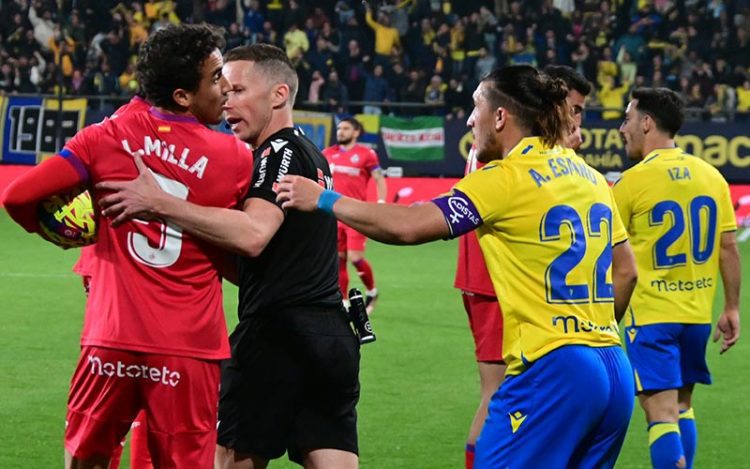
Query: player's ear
x=501, y=118
x=647, y=123
x=182, y=98
x=280, y=96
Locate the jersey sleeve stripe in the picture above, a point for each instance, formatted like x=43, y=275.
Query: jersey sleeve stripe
x=77, y=164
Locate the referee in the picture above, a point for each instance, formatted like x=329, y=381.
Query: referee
x=292, y=384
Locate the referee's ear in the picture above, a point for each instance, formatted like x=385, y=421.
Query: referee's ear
x=280, y=95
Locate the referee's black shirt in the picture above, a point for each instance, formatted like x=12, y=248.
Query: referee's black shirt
x=299, y=267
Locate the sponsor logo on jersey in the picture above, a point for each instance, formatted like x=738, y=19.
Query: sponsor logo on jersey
x=286, y=160
x=348, y=170
x=324, y=181
x=663, y=286
x=261, y=172
x=120, y=369
x=572, y=324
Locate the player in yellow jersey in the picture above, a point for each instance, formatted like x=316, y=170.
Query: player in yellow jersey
x=559, y=260
x=681, y=223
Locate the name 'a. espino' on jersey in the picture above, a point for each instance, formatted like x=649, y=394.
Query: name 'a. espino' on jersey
x=154, y=288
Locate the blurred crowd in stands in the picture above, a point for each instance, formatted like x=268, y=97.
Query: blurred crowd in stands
x=375, y=53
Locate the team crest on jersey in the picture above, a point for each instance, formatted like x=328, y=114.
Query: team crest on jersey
x=354, y=159
x=266, y=152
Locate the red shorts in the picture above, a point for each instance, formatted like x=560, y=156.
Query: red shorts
x=486, y=322
x=350, y=239
x=178, y=394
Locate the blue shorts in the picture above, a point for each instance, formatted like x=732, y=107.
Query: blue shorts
x=570, y=408
x=668, y=355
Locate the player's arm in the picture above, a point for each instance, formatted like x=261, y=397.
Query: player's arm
x=381, y=187
x=388, y=223
x=624, y=277
x=729, y=266
x=52, y=176
x=624, y=268
x=622, y=200
x=246, y=231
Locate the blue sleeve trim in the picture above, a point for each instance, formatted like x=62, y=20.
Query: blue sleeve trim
x=77, y=164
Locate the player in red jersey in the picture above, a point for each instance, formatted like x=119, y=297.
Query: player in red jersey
x=485, y=321
x=140, y=458
x=154, y=329
x=352, y=166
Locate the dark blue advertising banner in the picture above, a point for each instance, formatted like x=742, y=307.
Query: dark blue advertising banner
x=724, y=145
x=30, y=130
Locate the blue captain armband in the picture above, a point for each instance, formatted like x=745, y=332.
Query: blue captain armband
x=327, y=199
x=459, y=212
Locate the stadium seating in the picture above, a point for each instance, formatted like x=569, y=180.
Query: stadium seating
x=431, y=53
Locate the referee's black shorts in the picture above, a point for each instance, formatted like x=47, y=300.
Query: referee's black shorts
x=292, y=384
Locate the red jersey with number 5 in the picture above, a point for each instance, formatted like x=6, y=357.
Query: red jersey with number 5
x=154, y=288
x=351, y=169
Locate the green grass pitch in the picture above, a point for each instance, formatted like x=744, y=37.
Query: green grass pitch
x=419, y=380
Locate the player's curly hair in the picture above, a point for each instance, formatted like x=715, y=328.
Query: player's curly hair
x=573, y=79
x=536, y=100
x=172, y=58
